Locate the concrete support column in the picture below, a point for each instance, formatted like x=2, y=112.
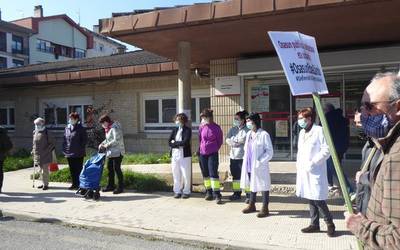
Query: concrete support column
x=184, y=79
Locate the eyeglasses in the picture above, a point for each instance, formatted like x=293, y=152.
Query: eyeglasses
x=370, y=105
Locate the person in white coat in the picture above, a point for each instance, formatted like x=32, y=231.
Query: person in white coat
x=312, y=182
x=235, y=139
x=255, y=175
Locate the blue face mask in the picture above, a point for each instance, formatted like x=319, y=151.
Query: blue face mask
x=302, y=123
x=249, y=125
x=375, y=126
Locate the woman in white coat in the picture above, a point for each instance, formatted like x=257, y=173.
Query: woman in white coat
x=312, y=182
x=255, y=175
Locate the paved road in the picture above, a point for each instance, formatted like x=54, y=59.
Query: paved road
x=25, y=235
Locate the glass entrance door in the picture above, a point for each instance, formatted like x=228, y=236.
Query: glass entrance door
x=273, y=102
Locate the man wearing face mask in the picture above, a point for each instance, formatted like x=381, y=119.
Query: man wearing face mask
x=380, y=116
x=235, y=139
x=43, y=146
x=366, y=177
x=74, y=147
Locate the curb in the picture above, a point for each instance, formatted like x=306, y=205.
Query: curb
x=142, y=233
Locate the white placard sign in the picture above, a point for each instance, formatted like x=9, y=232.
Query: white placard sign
x=298, y=55
x=227, y=85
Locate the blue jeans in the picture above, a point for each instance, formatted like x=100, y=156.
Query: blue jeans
x=332, y=173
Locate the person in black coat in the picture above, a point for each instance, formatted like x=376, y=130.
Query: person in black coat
x=181, y=156
x=5, y=146
x=340, y=131
x=74, y=147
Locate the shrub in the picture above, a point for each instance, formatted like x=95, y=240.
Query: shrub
x=16, y=163
x=132, y=180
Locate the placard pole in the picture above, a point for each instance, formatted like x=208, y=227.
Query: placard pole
x=334, y=155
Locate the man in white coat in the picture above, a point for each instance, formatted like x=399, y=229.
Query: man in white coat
x=255, y=175
x=312, y=182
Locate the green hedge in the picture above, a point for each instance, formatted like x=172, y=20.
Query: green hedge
x=132, y=180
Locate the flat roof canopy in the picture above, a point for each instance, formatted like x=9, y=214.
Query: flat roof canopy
x=238, y=28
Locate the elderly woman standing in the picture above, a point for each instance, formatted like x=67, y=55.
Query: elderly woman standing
x=115, y=150
x=258, y=152
x=312, y=182
x=42, y=150
x=74, y=147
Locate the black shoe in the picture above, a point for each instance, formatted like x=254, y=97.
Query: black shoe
x=108, y=189
x=247, y=200
x=185, y=196
x=235, y=196
x=177, y=196
x=40, y=187
x=118, y=191
x=73, y=187
x=331, y=230
x=310, y=229
x=218, y=200
x=45, y=187
x=209, y=195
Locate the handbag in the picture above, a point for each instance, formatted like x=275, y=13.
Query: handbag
x=53, y=167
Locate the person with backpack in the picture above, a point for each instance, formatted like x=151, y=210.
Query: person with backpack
x=5, y=146
x=42, y=150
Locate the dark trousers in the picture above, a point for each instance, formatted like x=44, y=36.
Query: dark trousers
x=75, y=168
x=265, y=197
x=1, y=173
x=236, y=171
x=209, y=169
x=332, y=173
x=317, y=207
x=114, y=166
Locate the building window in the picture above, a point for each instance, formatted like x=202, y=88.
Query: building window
x=80, y=53
x=159, y=112
x=151, y=111
x=3, y=41
x=17, y=63
x=7, y=117
x=3, y=62
x=17, y=45
x=44, y=46
x=56, y=111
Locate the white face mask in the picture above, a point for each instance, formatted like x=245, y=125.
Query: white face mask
x=39, y=127
x=178, y=123
x=204, y=121
x=72, y=121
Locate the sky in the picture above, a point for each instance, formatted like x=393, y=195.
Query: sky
x=85, y=12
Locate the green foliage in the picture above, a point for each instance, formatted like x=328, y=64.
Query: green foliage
x=132, y=180
x=16, y=163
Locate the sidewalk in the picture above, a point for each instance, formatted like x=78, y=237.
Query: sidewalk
x=193, y=220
